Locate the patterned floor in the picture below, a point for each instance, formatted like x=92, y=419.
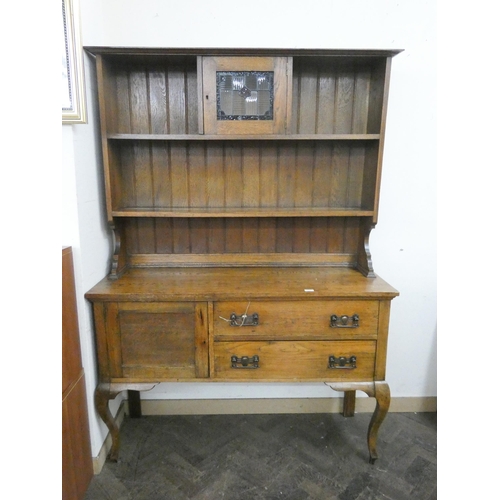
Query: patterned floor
x=293, y=457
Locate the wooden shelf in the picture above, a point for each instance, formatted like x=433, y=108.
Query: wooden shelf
x=242, y=212
x=246, y=137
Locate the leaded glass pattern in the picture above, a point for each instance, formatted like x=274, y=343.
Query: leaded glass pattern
x=245, y=95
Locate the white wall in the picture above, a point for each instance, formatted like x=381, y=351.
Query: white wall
x=403, y=244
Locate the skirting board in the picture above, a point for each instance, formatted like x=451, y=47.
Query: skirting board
x=256, y=406
x=270, y=405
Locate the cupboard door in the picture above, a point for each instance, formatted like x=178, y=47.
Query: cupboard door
x=245, y=95
x=157, y=340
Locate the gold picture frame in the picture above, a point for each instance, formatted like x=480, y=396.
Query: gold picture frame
x=72, y=89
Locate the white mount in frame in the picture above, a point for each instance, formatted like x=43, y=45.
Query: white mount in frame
x=72, y=88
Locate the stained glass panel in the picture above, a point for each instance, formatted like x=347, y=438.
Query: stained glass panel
x=245, y=95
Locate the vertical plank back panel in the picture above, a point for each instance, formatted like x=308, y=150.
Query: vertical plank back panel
x=158, y=100
x=122, y=120
x=176, y=81
x=197, y=175
x=332, y=235
x=139, y=101
x=362, y=80
x=344, y=100
x=322, y=174
x=287, y=158
x=161, y=173
x=157, y=95
x=143, y=176
x=179, y=174
x=215, y=173
x=234, y=184
x=163, y=237
x=326, y=100
x=268, y=175
x=307, y=82
x=340, y=175
x=250, y=169
x=304, y=175
x=355, y=177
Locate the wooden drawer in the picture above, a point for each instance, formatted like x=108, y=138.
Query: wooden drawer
x=294, y=320
x=147, y=341
x=294, y=360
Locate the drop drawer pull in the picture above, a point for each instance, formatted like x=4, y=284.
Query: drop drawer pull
x=344, y=321
x=244, y=319
x=245, y=362
x=342, y=363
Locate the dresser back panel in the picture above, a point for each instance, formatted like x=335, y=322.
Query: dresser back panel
x=242, y=235
x=157, y=95
x=334, y=96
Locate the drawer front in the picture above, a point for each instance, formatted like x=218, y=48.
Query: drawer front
x=295, y=360
x=157, y=340
x=307, y=320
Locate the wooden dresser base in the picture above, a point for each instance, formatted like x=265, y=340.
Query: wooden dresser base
x=106, y=392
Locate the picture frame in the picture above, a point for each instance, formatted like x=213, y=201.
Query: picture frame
x=72, y=88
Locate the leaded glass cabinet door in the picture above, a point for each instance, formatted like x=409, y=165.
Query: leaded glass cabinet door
x=245, y=95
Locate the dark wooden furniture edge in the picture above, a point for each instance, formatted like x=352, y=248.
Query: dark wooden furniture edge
x=94, y=50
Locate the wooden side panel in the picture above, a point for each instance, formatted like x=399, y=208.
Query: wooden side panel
x=71, y=356
x=383, y=334
x=77, y=469
x=101, y=340
x=376, y=96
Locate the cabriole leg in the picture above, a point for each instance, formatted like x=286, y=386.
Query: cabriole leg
x=383, y=397
x=102, y=396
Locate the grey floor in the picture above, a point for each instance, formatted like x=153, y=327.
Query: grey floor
x=293, y=457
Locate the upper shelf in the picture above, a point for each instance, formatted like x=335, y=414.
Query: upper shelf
x=242, y=212
x=165, y=96
x=281, y=137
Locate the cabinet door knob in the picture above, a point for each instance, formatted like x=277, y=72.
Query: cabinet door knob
x=244, y=319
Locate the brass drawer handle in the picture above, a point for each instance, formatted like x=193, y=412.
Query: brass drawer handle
x=244, y=319
x=245, y=362
x=344, y=321
x=342, y=363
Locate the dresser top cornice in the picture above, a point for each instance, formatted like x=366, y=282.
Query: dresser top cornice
x=148, y=51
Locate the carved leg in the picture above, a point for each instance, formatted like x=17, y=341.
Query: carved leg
x=102, y=396
x=383, y=397
x=349, y=403
x=378, y=390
